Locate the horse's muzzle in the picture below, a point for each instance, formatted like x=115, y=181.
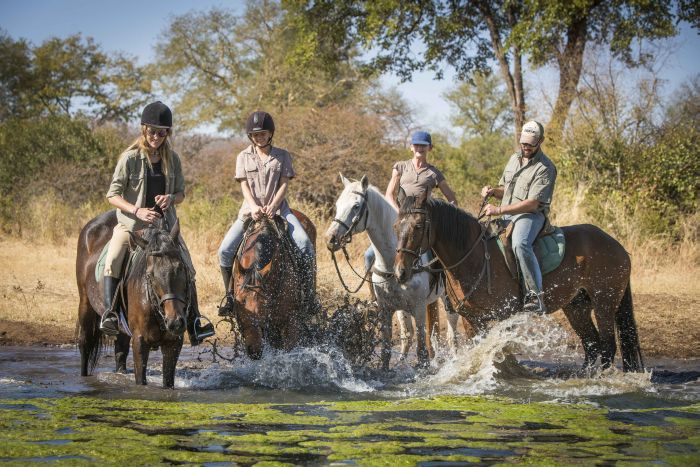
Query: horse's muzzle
x=176, y=326
x=332, y=242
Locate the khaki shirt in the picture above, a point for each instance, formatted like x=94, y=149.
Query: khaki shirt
x=263, y=177
x=533, y=181
x=415, y=183
x=129, y=182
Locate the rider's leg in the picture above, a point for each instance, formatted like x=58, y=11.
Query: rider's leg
x=198, y=329
x=116, y=251
x=227, y=254
x=525, y=229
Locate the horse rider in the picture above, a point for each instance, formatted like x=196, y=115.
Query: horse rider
x=146, y=185
x=525, y=189
x=264, y=172
x=413, y=177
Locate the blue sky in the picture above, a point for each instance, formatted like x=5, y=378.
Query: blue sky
x=133, y=26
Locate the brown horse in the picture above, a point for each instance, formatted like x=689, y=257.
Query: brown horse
x=594, y=276
x=156, y=299
x=268, y=286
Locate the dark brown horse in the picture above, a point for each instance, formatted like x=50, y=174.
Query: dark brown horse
x=268, y=286
x=156, y=296
x=594, y=277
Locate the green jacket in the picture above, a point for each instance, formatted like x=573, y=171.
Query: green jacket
x=129, y=181
x=534, y=181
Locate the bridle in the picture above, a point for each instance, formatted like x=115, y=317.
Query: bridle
x=347, y=238
x=158, y=301
x=421, y=249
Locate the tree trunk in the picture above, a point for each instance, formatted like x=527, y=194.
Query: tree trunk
x=570, y=61
x=514, y=80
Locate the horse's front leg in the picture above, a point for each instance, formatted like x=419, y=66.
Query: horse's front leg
x=452, y=320
x=432, y=324
x=386, y=337
x=171, y=353
x=421, y=350
x=405, y=332
x=140, y=349
x=121, y=352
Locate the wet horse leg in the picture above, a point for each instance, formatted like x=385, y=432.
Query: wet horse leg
x=578, y=312
x=405, y=332
x=89, y=336
x=432, y=325
x=606, y=302
x=121, y=352
x=141, y=350
x=171, y=353
x=452, y=319
x=421, y=350
x=386, y=316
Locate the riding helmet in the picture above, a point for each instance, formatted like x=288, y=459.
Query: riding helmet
x=259, y=121
x=157, y=115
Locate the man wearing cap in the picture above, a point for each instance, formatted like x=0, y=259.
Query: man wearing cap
x=525, y=191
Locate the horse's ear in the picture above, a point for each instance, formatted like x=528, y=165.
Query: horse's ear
x=365, y=182
x=175, y=231
x=138, y=239
x=345, y=181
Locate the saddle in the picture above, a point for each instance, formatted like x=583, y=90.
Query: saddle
x=549, y=246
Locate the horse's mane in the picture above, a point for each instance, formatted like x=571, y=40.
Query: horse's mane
x=449, y=220
x=160, y=243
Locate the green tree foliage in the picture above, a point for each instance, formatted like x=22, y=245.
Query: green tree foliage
x=222, y=66
x=68, y=76
x=467, y=34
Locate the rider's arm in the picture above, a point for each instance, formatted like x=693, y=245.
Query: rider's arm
x=390, y=194
x=529, y=205
x=447, y=191
x=279, y=195
x=496, y=192
x=248, y=195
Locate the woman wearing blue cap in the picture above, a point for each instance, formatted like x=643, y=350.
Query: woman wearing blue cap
x=414, y=177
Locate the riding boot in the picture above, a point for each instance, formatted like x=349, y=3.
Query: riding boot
x=533, y=303
x=196, y=329
x=110, y=320
x=227, y=308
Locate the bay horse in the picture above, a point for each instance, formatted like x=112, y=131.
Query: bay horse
x=271, y=300
x=156, y=296
x=359, y=208
x=594, y=277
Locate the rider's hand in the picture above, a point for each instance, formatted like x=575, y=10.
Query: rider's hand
x=164, y=201
x=147, y=215
x=486, y=191
x=270, y=211
x=491, y=210
x=257, y=212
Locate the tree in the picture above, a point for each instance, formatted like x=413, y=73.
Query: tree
x=221, y=66
x=66, y=77
x=483, y=107
x=466, y=35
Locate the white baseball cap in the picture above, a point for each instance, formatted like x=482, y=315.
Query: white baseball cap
x=532, y=133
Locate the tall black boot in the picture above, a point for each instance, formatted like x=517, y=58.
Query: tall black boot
x=110, y=320
x=197, y=328
x=227, y=308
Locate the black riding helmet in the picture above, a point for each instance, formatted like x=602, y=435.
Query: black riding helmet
x=260, y=121
x=157, y=115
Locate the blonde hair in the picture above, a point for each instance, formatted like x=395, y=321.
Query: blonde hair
x=165, y=150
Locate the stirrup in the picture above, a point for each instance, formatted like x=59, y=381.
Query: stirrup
x=207, y=329
x=109, y=323
x=227, y=308
x=533, y=303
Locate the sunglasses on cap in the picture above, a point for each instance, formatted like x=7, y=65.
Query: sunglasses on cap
x=528, y=145
x=161, y=132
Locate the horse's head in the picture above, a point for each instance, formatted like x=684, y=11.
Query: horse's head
x=351, y=212
x=167, y=277
x=256, y=280
x=413, y=231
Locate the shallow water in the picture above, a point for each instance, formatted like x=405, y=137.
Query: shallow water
x=510, y=395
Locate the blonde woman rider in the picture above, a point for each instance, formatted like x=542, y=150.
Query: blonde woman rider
x=146, y=185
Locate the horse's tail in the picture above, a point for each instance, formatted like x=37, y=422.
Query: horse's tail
x=627, y=333
x=95, y=342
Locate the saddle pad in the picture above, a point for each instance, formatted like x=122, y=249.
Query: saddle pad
x=100, y=266
x=548, y=249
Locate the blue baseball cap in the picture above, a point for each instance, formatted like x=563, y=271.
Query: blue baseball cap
x=421, y=137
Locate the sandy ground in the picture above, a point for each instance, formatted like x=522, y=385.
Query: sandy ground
x=39, y=297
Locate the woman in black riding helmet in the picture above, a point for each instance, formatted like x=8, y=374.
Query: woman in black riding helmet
x=146, y=185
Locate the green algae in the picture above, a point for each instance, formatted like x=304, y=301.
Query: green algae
x=84, y=430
